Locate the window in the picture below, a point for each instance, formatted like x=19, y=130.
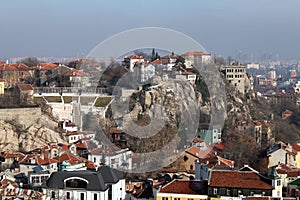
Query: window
x=278, y=182
x=176, y=198
x=82, y=196
x=228, y=192
x=165, y=198
x=185, y=158
x=68, y=195
x=215, y=191
x=95, y=196
x=190, y=199
x=53, y=195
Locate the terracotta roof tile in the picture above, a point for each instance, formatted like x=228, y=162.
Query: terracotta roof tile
x=296, y=147
x=237, y=179
x=184, y=187
x=23, y=86
x=196, y=53
x=75, y=72
x=46, y=66
x=14, y=67
x=197, y=152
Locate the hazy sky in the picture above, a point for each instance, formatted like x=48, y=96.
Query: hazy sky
x=68, y=28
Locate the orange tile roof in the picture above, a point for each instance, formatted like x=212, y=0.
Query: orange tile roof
x=238, y=179
x=183, y=187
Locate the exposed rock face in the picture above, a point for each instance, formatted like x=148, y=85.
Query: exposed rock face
x=15, y=135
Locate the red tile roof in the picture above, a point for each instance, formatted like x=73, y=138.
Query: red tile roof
x=296, y=147
x=47, y=66
x=7, y=182
x=70, y=158
x=75, y=72
x=238, y=179
x=188, y=73
x=195, y=53
x=2, y=80
x=23, y=86
x=170, y=56
x=287, y=112
x=134, y=57
x=90, y=165
x=159, y=62
x=13, y=155
x=196, y=140
x=115, y=131
x=14, y=67
x=197, y=152
x=214, y=160
x=183, y=187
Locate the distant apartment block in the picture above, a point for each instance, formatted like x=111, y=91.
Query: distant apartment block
x=252, y=66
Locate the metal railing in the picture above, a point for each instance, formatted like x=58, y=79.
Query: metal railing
x=62, y=90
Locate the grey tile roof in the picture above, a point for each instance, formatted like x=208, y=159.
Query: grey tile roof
x=110, y=175
x=97, y=181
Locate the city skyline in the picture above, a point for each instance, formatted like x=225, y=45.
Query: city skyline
x=74, y=28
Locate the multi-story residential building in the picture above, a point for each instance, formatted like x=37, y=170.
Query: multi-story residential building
x=119, y=158
x=261, y=130
x=225, y=184
x=131, y=61
x=14, y=73
x=297, y=87
x=115, y=182
x=253, y=66
x=281, y=153
x=236, y=75
x=144, y=72
x=183, y=190
x=193, y=58
x=211, y=136
x=2, y=86
x=74, y=136
x=296, y=150
x=69, y=162
x=104, y=184
x=188, y=76
x=7, y=159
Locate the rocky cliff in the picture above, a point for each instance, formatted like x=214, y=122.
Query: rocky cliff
x=19, y=135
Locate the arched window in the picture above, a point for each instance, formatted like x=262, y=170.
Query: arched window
x=76, y=183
